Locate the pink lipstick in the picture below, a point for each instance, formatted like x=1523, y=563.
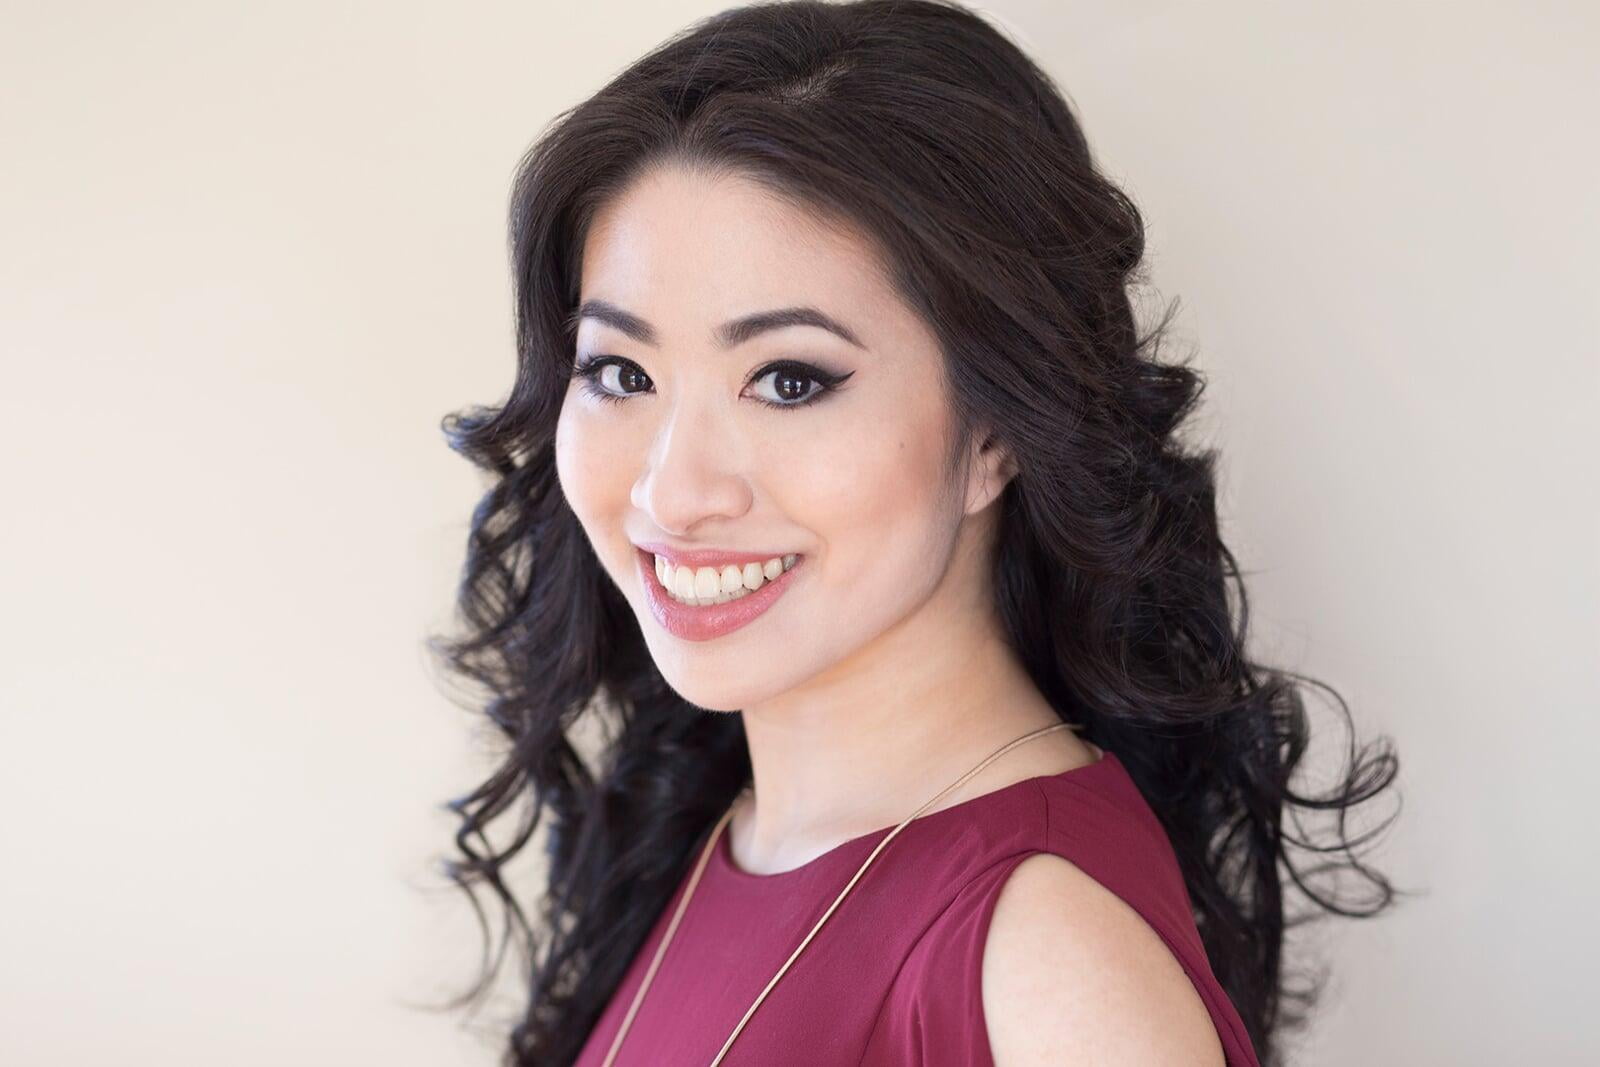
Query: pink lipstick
x=694, y=623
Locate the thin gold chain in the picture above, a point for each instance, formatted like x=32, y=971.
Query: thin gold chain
x=705, y=854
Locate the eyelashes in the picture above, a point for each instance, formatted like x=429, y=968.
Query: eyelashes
x=591, y=369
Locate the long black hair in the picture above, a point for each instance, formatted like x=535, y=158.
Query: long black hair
x=932, y=131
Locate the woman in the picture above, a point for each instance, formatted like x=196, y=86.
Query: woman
x=837, y=479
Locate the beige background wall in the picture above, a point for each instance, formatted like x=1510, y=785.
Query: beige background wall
x=252, y=253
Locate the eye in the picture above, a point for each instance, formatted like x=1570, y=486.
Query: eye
x=614, y=379
x=791, y=381
x=599, y=382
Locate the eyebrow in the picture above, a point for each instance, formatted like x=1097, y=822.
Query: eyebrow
x=731, y=333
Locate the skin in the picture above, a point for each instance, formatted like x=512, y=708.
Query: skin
x=1073, y=974
x=882, y=675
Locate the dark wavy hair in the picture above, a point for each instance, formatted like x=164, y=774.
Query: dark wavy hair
x=930, y=130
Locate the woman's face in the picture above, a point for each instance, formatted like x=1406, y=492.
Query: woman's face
x=723, y=448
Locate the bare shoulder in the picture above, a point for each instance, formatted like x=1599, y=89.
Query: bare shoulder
x=1073, y=974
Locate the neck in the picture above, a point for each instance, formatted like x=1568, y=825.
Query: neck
x=871, y=740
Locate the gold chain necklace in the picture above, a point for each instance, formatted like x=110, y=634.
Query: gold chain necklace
x=705, y=854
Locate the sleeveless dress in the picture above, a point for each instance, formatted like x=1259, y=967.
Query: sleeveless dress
x=893, y=978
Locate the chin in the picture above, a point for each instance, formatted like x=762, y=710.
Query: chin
x=705, y=694
x=720, y=681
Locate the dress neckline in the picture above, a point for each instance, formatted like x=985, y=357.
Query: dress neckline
x=722, y=854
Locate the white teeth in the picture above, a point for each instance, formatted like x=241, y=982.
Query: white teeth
x=706, y=583
x=681, y=582
x=712, y=585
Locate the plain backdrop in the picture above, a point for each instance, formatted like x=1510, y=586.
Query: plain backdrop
x=251, y=253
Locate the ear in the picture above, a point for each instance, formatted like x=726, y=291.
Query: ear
x=990, y=468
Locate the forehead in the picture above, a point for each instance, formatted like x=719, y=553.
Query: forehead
x=686, y=250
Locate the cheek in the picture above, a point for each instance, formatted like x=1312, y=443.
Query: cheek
x=872, y=494
x=594, y=483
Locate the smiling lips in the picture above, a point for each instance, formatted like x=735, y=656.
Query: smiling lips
x=701, y=586
x=698, y=603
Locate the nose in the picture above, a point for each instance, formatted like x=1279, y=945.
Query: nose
x=693, y=477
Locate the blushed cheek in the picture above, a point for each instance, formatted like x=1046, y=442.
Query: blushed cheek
x=585, y=474
x=873, y=498
x=567, y=472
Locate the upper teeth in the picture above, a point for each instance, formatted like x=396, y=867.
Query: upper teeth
x=717, y=585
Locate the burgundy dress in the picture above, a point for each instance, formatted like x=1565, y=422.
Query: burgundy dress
x=893, y=976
